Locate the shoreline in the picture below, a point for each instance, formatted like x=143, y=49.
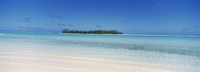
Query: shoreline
x=66, y=53
x=26, y=62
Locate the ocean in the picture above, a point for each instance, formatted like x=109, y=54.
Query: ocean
x=174, y=52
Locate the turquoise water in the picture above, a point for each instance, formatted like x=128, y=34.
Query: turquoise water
x=180, y=53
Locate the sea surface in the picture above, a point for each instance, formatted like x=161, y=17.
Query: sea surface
x=174, y=52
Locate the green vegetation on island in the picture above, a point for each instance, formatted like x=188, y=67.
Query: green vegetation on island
x=92, y=31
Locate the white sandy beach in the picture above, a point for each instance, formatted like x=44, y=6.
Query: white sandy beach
x=47, y=62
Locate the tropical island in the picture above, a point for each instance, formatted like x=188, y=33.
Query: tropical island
x=92, y=31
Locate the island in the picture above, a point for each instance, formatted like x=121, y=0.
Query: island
x=92, y=31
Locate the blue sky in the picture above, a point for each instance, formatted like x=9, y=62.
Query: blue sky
x=162, y=17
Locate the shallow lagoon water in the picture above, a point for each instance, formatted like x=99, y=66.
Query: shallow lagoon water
x=179, y=53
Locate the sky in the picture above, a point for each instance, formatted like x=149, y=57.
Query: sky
x=157, y=17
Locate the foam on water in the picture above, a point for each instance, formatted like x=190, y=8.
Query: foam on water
x=181, y=53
